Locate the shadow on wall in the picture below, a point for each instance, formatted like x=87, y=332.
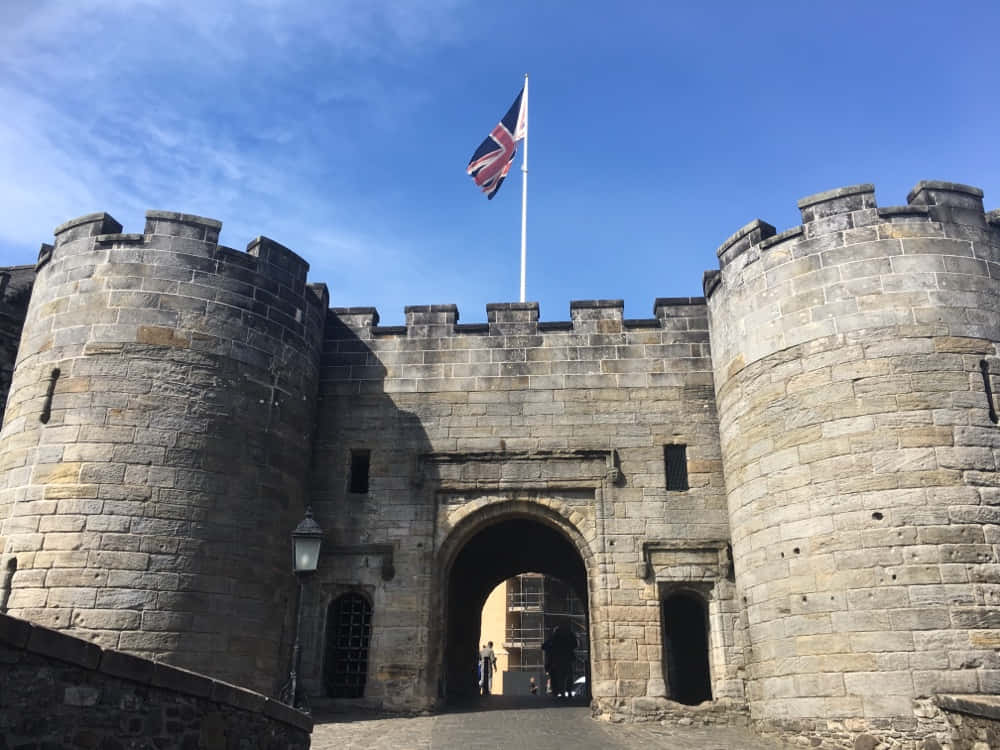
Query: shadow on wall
x=385, y=620
x=369, y=617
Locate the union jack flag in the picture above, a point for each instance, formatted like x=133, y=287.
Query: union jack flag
x=492, y=160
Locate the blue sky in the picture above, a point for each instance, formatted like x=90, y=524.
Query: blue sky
x=342, y=129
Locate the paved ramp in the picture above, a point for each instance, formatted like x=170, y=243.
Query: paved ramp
x=519, y=723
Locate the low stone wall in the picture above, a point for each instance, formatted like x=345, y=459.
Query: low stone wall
x=942, y=722
x=974, y=720
x=60, y=691
x=721, y=712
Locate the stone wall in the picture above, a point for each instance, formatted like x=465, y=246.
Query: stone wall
x=566, y=420
x=15, y=291
x=59, y=691
x=860, y=456
x=176, y=403
x=156, y=440
x=974, y=720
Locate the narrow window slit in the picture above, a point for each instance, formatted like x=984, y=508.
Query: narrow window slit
x=360, y=465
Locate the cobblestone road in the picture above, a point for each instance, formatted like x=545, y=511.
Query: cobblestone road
x=507, y=724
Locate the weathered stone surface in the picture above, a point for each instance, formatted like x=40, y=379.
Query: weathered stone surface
x=829, y=396
x=908, y=419
x=180, y=405
x=50, y=697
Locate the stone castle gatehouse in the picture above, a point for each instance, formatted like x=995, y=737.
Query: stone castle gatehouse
x=781, y=497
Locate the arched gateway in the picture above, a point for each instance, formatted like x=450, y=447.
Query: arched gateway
x=545, y=450
x=492, y=544
x=809, y=450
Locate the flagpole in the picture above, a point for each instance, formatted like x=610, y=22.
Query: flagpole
x=524, y=189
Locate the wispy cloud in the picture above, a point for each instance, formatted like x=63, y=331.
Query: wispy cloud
x=246, y=111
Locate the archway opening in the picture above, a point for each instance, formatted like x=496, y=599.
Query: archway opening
x=519, y=617
x=685, y=648
x=502, y=551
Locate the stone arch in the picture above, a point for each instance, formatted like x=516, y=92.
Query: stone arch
x=491, y=542
x=466, y=521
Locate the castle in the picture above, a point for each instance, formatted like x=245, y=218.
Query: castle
x=782, y=497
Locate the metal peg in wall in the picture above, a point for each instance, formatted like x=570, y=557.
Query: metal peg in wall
x=47, y=408
x=984, y=368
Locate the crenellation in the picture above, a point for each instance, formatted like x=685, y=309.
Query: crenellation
x=512, y=318
x=597, y=316
x=286, y=266
x=777, y=239
x=832, y=518
x=909, y=211
x=747, y=236
x=938, y=193
x=631, y=324
x=845, y=200
x=118, y=239
x=90, y=225
x=430, y=321
x=156, y=329
x=914, y=277
x=682, y=314
x=187, y=226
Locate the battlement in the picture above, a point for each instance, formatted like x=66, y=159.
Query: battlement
x=15, y=287
x=926, y=268
x=522, y=319
x=195, y=237
x=853, y=213
x=173, y=284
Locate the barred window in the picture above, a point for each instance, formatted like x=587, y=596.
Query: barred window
x=348, y=632
x=675, y=461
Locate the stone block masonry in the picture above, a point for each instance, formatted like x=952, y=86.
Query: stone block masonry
x=461, y=420
x=780, y=498
x=158, y=428
x=60, y=691
x=15, y=291
x=859, y=454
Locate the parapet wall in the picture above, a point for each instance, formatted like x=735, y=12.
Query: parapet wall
x=596, y=348
x=851, y=266
x=157, y=439
x=58, y=691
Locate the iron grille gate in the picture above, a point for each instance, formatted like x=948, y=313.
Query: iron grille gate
x=348, y=632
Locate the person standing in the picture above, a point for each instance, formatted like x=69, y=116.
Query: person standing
x=559, y=652
x=488, y=662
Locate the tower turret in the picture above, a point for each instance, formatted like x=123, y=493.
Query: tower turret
x=858, y=437
x=156, y=440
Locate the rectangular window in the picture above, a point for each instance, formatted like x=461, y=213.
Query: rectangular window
x=675, y=460
x=360, y=460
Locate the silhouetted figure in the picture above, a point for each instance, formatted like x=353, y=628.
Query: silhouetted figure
x=559, y=650
x=488, y=662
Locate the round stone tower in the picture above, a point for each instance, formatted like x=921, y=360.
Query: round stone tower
x=854, y=360
x=155, y=446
